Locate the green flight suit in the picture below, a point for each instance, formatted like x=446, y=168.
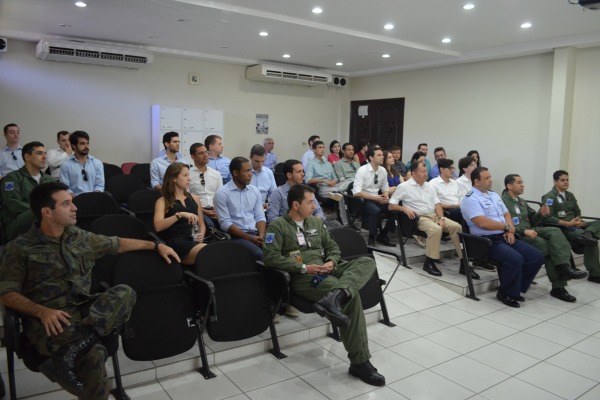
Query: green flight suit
x=550, y=241
x=281, y=242
x=14, y=192
x=57, y=273
x=565, y=210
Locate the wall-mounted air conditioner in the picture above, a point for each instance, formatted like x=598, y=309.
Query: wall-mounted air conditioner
x=287, y=74
x=80, y=51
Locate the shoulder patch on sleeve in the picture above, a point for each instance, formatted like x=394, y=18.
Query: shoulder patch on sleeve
x=469, y=194
x=269, y=237
x=9, y=186
x=549, y=202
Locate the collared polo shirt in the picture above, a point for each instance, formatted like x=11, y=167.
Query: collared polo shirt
x=420, y=198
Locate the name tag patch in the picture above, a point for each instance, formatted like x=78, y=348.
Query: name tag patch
x=296, y=256
x=562, y=214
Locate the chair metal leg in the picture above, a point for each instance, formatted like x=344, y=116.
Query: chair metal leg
x=276, y=351
x=12, y=387
x=204, y=370
x=119, y=391
x=467, y=268
x=335, y=333
x=384, y=312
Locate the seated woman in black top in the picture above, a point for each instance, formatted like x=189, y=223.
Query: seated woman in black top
x=176, y=216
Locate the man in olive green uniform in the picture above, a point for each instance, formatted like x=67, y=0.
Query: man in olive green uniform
x=565, y=211
x=301, y=245
x=45, y=275
x=16, y=186
x=548, y=240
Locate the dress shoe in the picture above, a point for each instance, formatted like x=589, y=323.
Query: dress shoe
x=562, y=294
x=484, y=265
x=291, y=311
x=431, y=269
x=518, y=298
x=383, y=239
x=371, y=241
x=509, y=301
x=595, y=279
x=58, y=371
x=335, y=196
x=331, y=306
x=589, y=235
x=567, y=273
x=367, y=373
x=474, y=275
x=587, y=239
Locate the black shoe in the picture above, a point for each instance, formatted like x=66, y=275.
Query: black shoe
x=589, y=235
x=518, y=298
x=431, y=269
x=474, y=275
x=383, y=239
x=587, y=239
x=78, y=349
x=484, y=265
x=58, y=371
x=562, y=294
x=351, y=226
x=367, y=373
x=371, y=241
x=567, y=273
x=331, y=306
x=509, y=301
x=595, y=279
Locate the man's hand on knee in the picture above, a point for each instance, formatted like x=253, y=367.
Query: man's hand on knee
x=53, y=320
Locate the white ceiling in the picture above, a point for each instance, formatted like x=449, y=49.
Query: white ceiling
x=350, y=31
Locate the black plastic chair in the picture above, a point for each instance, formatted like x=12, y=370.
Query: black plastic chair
x=122, y=186
x=280, y=177
x=93, y=205
x=163, y=321
x=111, y=170
x=232, y=297
x=142, y=171
x=141, y=203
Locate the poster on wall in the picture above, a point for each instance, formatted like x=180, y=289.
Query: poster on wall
x=262, y=124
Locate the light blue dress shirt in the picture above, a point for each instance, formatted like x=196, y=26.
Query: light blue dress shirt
x=489, y=205
x=264, y=181
x=221, y=164
x=319, y=170
x=71, y=174
x=10, y=160
x=271, y=161
x=242, y=208
x=306, y=157
x=435, y=172
x=159, y=166
x=278, y=204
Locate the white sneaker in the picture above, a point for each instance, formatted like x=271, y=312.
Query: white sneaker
x=291, y=311
x=419, y=241
x=336, y=196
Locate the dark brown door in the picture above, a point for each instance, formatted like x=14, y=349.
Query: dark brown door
x=383, y=123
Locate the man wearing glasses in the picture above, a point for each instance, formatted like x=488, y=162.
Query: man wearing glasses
x=81, y=172
x=448, y=190
x=204, y=183
x=10, y=157
x=440, y=154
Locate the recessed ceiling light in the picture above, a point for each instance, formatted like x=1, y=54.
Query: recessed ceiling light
x=526, y=25
x=80, y=4
x=446, y=40
x=264, y=33
x=151, y=37
x=224, y=47
x=286, y=56
x=386, y=55
x=64, y=25
x=180, y=20
x=339, y=64
x=388, y=26
x=469, y=6
x=317, y=10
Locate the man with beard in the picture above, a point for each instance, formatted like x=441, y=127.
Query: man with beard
x=81, y=172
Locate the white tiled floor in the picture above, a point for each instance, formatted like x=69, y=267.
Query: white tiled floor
x=443, y=347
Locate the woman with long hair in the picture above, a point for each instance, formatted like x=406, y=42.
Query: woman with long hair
x=475, y=155
x=361, y=152
x=393, y=177
x=178, y=214
x=335, y=148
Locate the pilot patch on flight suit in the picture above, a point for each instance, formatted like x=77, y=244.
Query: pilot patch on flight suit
x=9, y=186
x=269, y=237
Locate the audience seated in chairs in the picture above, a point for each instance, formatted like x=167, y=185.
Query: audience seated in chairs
x=171, y=143
x=399, y=166
x=394, y=178
x=448, y=190
x=55, y=157
x=466, y=165
x=360, y=152
x=177, y=218
x=345, y=169
x=309, y=154
x=335, y=153
x=204, y=183
x=81, y=172
x=262, y=177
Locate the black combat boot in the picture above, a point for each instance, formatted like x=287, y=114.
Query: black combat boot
x=331, y=305
x=566, y=272
x=58, y=371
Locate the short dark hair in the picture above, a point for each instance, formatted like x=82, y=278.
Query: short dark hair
x=61, y=133
x=415, y=166
x=41, y=196
x=168, y=136
x=361, y=144
x=211, y=139
x=296, y=193
x=371, y=151
x=509, y=180
x=421, y=144
x=313, y=138
x=395, y=147
x=445, y=163
x=75, y=136
x=439, y=149
x=28, y=148
x=288, y=167
x=347, y=144
x=258, y=150
x=464, y=163
x=476, y=174
x=236, y=164
x=195, y=147
x=414, y=158
x=316, y=143
x=9, y=126
x=557, y=174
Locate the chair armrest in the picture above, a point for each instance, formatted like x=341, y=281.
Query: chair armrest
x=126, y=211
x=388, y=252
x=203, y=298
x=592, y=218
x=198, y=279
x=154, y=236
x=539, y=203
x=468, y=236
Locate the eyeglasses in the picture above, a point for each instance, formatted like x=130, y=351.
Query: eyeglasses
x=376, y=178
x=13, y=156
x=202, y=181
x=85, y=177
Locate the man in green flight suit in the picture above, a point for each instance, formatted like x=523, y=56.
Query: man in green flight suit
x=16, y=186
x=548, y=240
x=45, y=275
x=301, y=245
x=565, y=211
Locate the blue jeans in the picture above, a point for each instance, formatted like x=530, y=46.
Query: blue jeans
x=520, y=264
x=257, y=252
x=372, y=212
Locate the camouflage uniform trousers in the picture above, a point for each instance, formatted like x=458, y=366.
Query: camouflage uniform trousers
x=101, y=314
x=591, y=254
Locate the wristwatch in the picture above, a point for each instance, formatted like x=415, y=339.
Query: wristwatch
x=156, y=244
x=303, y=269
x=506, y=227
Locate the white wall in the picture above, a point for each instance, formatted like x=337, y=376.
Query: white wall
x=113, y=104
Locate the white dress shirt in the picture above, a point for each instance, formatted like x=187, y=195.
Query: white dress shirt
x=54, y=159
x=212, y=182
x=421, y=199
x=464, y=185
x=364, y=180
x=448, y=193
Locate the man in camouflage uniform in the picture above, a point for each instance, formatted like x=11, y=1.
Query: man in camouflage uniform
x=549, y=240
x=565, y=211
x=301, y=245
x=46, y=276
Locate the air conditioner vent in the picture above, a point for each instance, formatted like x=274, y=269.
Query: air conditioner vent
x=285, y=74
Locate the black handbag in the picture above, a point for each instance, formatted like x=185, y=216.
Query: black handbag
x=213, y=235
